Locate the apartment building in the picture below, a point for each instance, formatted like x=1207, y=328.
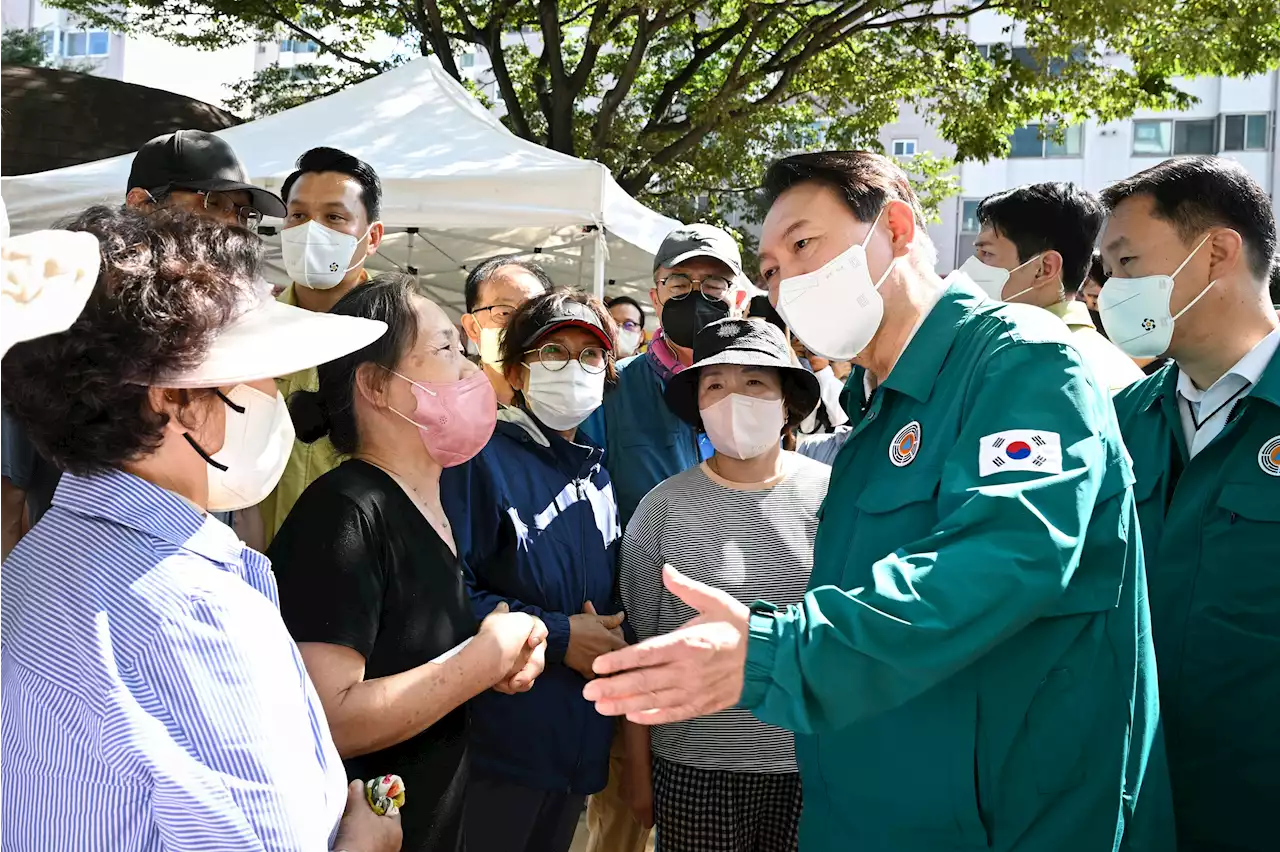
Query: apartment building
x=205, y=75
x=1233, y=118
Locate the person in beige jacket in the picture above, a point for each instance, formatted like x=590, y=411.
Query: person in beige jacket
x=1034, y=248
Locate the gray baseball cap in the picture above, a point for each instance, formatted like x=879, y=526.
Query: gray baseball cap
x=699, y=240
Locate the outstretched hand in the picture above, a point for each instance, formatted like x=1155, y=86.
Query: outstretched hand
x=690, y=672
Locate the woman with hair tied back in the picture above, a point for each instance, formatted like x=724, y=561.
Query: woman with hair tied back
x=371, y=586
x=152, y=697
x=537, y=526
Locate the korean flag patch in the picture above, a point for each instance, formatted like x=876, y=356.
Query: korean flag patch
x=1020, y=449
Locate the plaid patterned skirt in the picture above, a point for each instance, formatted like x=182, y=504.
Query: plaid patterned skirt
x=698, y=810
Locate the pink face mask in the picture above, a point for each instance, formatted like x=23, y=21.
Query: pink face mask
x=454, y=419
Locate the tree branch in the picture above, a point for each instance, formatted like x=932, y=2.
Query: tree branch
x=430, y=23
x=700, y=56
x=876, y=24
x=491, y=39
x=559, y=98
x=591, y=50
x=626, y=79
x=274, y=13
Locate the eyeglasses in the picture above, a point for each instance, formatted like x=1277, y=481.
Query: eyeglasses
x=593, y=358
x=499, y=315
x=246, y=216
x=712, y=287
x=629, y=325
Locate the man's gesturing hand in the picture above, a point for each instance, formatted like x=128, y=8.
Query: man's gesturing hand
x=691, y=672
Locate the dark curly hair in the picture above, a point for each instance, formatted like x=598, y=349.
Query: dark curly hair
x=331, y=410
x=538, y=311
x=168, y=282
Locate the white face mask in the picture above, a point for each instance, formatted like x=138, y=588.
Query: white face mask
x=993, y=278
x=563, y=398
x=628, y=342
x=744, y=427
x=835, y=310
x=1136, y=311
x=491, y=346
x=256, y=447
x=318, y=257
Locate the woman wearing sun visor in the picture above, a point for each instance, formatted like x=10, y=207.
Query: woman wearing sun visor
x=174, y=711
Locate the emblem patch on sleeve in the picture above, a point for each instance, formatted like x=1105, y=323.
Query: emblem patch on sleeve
x=1020, y=449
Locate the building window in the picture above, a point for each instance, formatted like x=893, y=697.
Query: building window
x=904, y=147
x=1032, y=141
x=1245, y=132
x=969, y=228
x=298, y=45
x=1195, y=137
x=96, y=43
x=1164, y=136
x=1153, y=137
x=468, y=60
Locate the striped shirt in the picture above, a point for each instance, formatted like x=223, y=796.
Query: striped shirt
x=754, y=542
x=150, y=695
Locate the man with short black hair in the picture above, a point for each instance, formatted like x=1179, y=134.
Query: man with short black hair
x=1035, y=248
x=968, y=669
x=629, y=316
x=331, y=229
x=1189, y=246
x=495, y=289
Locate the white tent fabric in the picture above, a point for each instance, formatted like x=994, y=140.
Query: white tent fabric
x=457, y=186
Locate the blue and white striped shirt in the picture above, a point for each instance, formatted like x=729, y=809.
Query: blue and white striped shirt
x=150, y=695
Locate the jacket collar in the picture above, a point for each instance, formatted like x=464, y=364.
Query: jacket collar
x=920, y=363
x=133, y=502
x=577, y=457
x=1073, y=313
x=1267, y=387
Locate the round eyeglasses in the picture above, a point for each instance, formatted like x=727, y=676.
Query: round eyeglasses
x=554, y=356
x=712, y=287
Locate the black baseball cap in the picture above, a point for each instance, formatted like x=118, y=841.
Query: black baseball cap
x=699, y=240
x=198, y=161
x=571, y=314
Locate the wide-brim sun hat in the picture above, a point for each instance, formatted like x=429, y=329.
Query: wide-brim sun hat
x=745, y=343
x=272, y=339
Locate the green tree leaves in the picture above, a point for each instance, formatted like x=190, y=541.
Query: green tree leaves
x=686, y=102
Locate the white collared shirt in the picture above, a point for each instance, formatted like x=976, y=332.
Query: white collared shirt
x=1204, y=413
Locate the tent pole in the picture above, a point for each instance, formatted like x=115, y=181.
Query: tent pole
x=601, y=249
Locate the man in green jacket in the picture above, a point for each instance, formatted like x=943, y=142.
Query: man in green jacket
x=1189, y=247
x=972, y=666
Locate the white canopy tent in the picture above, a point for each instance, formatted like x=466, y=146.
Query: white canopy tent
x=457, y=187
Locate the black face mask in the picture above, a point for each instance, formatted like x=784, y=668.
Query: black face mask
x=682, y=319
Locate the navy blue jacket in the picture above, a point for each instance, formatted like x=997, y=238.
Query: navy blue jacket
x=536, y=525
